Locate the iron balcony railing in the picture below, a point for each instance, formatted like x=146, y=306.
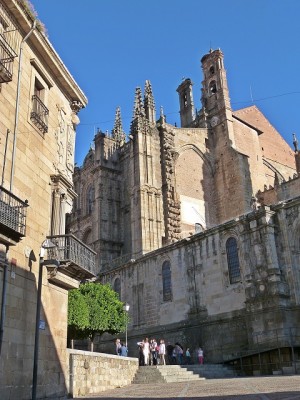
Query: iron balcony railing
x=12, y=213
x=39, y=114
x=9, y=43
x=71, y=251
x=7, y=56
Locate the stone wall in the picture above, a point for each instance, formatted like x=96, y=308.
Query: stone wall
x=92, y=373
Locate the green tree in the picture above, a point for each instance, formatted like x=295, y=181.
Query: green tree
x=95, y=308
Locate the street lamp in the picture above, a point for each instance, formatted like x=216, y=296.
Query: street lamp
x=47, y=244
x=126, y=307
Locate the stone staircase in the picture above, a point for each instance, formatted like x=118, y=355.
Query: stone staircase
x=212, y=371
x=164, y=374
x=177, y=373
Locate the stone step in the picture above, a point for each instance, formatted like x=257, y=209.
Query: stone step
x=211, y=371
x=164, y=374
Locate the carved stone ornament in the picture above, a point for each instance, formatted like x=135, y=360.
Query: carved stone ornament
x=214, y=121
x=76, y=106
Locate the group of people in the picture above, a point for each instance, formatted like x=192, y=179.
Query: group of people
x=121, y=348
x=152, y=353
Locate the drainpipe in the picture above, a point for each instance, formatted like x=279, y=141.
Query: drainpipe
x=4, y=159
x=3, y=303
x=17, y=106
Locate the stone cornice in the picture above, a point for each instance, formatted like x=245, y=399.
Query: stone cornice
x=55, y=66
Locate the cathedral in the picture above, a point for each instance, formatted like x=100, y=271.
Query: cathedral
x=197, y=227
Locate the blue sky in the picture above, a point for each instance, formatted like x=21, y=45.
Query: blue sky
x=113, y=46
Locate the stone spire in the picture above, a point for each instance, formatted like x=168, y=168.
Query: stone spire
x=117, y=132
x=138, y=111
x=149, y=103
x=295, y=142
x=297, y=153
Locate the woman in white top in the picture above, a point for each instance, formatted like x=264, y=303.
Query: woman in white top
x=162, y=352
x=146, y=351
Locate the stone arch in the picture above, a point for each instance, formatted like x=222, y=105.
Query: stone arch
x=204, y=157
x=194, y=188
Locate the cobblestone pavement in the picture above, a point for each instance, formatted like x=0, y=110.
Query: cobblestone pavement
x=262, y=388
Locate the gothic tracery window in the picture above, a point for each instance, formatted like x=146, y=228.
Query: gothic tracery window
x=167, y=282
x=90, y=200
x=233, y=260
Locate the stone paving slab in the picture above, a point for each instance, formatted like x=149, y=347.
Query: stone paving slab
x=258, y=388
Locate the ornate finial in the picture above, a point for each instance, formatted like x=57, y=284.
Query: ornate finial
x=117, y=132
x=138, y=104
x=162, y=115
x=161, y=111
x=149, y=102
x=295, y=142
x=138, y=112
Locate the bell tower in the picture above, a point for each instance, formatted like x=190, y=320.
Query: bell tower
x=186, y=101
x=215, y=96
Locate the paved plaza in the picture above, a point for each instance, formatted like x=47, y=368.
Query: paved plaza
x=261, y=388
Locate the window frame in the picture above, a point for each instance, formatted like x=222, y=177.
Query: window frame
x=166, y=274
x=233, y=261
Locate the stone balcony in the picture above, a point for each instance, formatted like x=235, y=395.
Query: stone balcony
x=71, y=258
x=12, y=217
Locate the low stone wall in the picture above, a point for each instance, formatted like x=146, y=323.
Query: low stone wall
x=91, y=373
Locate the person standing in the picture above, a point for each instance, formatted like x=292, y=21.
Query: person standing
x=200, y=354
x=162, y=352
x=124, y=350
x=179, y=353
x=146, y=351
x=141, y=353
x=153, y=352
x=188, y=356
x=118, y=347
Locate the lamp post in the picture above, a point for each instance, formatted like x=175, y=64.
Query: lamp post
x=47, y=244
x=126, y=307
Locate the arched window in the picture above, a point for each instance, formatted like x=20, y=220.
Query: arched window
x=117, y=286
x=212, y=87
x=167, y=283
x=90, y=200
x=233, y=260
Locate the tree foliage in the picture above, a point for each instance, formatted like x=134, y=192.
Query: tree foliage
x=95, y=308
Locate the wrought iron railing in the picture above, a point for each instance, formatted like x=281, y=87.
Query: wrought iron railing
x=39, y=114
x=12, y=212
x=70, y=250
x=7, y=56
x=9, y=43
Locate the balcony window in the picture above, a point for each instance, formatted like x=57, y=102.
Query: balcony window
x=8, y=44
x=75, y=258
x=12, y=215
x=39, y=113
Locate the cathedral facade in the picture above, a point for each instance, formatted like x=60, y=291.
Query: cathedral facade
x=197, y=227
